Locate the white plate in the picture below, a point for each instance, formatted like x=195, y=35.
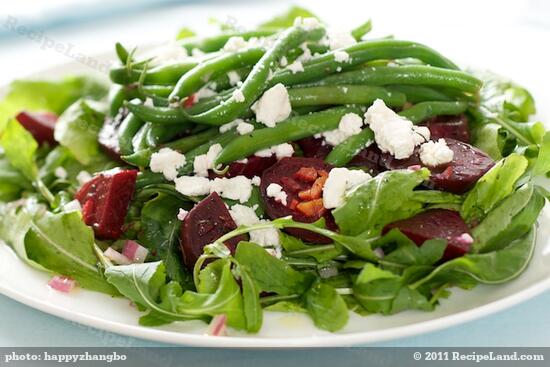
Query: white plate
x=28, y=286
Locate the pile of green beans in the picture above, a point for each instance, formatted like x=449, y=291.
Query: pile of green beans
x=428, y=86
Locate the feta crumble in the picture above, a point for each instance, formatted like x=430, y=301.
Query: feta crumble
x=308, y=23
x=244, y=128
x=238, y=95
x=235, y=188
x=60, y=173
x=235, y=44
x=193, y=185
x=393, y=133
x=167, y=162
x=204, y=92
x=280, y=151
x=230, y=125
x=273, y=106
x=350, y=124
x=435, y=153
x=72, y=206
x=283, y=61
x=295, y=67
x=340, y=39
x=256, y=181
x=182, y=213
x=246, y=216
x=234, y=77
x=204, y=162
x=276, y=192
x=243, y=215
x=82, y=177
x=170, y=52
x=339, y=182
x=341, y=56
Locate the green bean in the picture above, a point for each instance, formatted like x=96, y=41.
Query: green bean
x=160, y=115
x=197, y=77
x=116, y=98
x=139, y=141
x=359, y=32
x=344, y=94
x=256, y=82
x=292, y=129
x=216, y=43
x=164, y=75
x=418, y=93
x=361, y=53
x=426, y=110
x=122, y=53
x=161, y=133
x=409, y=75
x=128, y=128
x=147, y=178
x=345, y=151
x=158, y=90
x=182, y=145
x=222, y=82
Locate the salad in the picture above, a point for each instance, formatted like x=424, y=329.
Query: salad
x=288, y=168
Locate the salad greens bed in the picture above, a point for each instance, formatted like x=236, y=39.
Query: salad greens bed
x=189, y=104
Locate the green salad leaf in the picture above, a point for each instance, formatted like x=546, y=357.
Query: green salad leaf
x=326, y=307
x=19, y=149
x=287, y=19
x=386, y=198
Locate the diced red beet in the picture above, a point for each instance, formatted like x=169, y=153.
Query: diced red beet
x=314, y=147
x=108, y=135
x=205, y=223
x=254, y=166
x=437, y=223
x=284, y=174
x=105, y=200
x=372, y=159
x=40, y=124
x=452, y=127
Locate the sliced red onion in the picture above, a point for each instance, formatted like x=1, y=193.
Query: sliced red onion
x=414, y=167
x=218, y=326
x=116, y=257
x=134, y=251
x=62, y=283
x=379, y=252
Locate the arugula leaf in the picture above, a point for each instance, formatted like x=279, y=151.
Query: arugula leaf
x=63, y=244
x=295, y=247
x=286, y=306
x=408, y=253
x=386, y=198
x=20, y=148
x=160, y=234
x=270, y=273
x=488, y=268
x=326, y=307
x=286, y=19
x=494, y=186
x=78, y=127
x=542, y=164
x=12, y=181
x=251, y=302
x=185, y=33
x=53, y=96
x=511, y=219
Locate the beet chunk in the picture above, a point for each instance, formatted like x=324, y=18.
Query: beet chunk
x=372, y=159
x=204, y=224
x=40, y=124
x=314, y=147
x=254, y=166
x=437, y=223
x=105, y=200
x=452, y=127
x=304, y=194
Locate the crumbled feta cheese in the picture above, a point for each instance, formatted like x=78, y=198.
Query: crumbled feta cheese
x=349, y=125
x=433, y=153
x=276, y=192
x=238, y=95
x=197, y=52
x=148, y=102
x=193, y=185
x=295, y=67
x=167, y=162
x=307, y=23
x=169, y=53
x=243, y=161
x=234, y=77
x=393, y=133
x=204, y=162
x=235, y=44
x=243, y=215
x=61, y=173
x=182, y=213
x=204, y=92
x=421, y=134
x=306, y=53
x=345, y=89
x=256, y=181
x=267, y=237
x=340, y=39
x=284, y=61
x=235, y=188
x=230, y=125
x=83, y=177
x=244, y=128
x=339, y=182
x=273, y=106
x=280, y=151
x=72, y=206
x=341, y=56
